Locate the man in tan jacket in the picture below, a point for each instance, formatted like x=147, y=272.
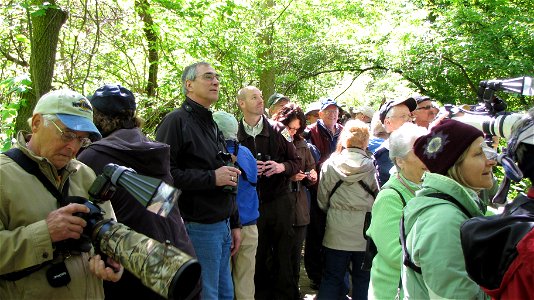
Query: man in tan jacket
x=35, y=263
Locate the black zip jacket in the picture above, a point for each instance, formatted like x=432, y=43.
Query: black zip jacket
x=195, y=144
x=271, y=142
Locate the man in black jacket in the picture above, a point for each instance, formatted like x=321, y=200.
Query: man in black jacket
x=199, y=167
x=277, y=162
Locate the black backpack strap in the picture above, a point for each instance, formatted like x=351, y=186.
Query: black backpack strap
x=407, y=260
x=367, y=189
x=400, y=195
x=453, y=201
x=31, y=167
x=336, y=186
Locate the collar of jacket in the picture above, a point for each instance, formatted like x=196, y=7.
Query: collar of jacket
x=242, y=134
x=191, y=106
x=322, y=128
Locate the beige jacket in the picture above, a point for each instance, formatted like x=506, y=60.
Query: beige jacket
x=24, y=238
x=346, y=209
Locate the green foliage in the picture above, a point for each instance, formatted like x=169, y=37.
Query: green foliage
x=12, y=91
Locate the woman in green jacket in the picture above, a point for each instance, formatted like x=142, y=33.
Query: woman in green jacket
x=387, y=210
x=461, y=165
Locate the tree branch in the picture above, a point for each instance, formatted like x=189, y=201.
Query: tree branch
x=19, y=62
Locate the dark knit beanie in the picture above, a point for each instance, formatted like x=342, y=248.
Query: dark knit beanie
x=114, y=100
x=445, y=143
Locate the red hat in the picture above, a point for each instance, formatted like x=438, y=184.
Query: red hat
x=445, y=143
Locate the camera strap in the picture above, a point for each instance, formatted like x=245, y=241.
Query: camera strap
x=31, y=167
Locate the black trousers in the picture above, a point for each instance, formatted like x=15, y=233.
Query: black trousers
x=274, y=278
x=313, y=248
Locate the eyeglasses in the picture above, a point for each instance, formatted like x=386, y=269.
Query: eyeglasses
x=424, y=107
x=489, y=152
x=294, y=129
x=404, y=117
x=330, y=111
x=68, y=137
x=211, y=76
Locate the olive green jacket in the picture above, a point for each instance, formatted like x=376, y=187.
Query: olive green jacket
x=24, y=238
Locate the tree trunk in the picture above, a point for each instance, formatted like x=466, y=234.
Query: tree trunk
x=267, y=75
x=44, y=35
x=143, y=8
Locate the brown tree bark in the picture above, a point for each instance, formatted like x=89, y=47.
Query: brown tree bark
x=143, y=7
x=268, y=74
x=44, y=35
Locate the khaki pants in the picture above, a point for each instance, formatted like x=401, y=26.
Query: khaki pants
x=244, y=264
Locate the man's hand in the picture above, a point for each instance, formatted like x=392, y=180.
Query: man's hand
x=97, y=267
x=63, y=225
x=298, y=177
x=272, y=167
x=236, y=241
x=261, y=167
x=226, y=176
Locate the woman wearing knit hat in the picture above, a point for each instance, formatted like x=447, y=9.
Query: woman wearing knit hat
x=460, y=165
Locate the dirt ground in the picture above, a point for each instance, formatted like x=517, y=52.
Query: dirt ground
x=304, y=284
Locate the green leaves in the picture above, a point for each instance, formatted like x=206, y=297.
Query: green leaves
x=13, y=91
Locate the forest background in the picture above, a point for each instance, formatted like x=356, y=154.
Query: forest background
x=358, y=52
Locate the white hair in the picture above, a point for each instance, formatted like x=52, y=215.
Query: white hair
x=47, y=118
x=401, y=140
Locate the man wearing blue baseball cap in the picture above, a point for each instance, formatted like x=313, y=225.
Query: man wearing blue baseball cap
x=36, y=219
x=324, y=135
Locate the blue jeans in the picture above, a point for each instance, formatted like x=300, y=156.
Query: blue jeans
x=212, y=244
x=334, y=285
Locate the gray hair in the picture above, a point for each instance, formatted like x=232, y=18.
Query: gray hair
x=401, y=140
x=190, y=73
x=377, y=128
x=47, y=118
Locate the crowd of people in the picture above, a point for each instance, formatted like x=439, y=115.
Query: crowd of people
x=374, y=199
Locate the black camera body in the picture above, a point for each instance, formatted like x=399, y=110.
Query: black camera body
x=227, y=159
x=94, y=216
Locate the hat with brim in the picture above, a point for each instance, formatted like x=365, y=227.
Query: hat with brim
x=410, y=102
x=326, y=102
x=275, y=98
x=227, y=124
x=77, y=123
x=420, y=99
x=72, y=109
x=314, y=106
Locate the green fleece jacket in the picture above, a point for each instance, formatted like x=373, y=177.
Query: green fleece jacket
x=433, y=241
x=24, y=238
x=384, y=230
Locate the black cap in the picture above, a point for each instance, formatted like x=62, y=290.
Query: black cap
x=275, y=98
x=420, y=99
x=410, y=102
x=113, y=99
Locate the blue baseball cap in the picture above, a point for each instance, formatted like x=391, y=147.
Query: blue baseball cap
x=72, y=109
x=326, y=102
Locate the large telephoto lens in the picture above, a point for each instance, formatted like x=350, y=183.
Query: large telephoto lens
x=160, y=266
